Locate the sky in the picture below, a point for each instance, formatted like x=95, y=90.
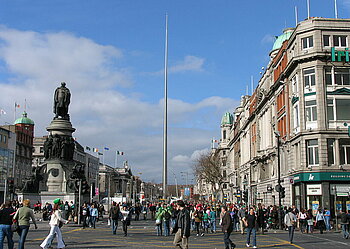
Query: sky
x=111, y=55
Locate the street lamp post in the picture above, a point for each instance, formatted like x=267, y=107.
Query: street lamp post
x=335, y=208
x=277, y=134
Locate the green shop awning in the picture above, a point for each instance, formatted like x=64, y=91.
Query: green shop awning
x=322, y=176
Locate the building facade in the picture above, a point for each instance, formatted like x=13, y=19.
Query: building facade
x=296, y=122
x=7, y=161
x=24, y=130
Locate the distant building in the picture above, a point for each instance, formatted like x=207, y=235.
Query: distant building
x=7, y=159
x=24, y=129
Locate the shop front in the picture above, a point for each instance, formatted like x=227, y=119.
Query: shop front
x=315, y=190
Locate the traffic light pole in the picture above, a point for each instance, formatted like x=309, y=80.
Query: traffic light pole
x=5, y=190
x=79, y=200
x=279, y=181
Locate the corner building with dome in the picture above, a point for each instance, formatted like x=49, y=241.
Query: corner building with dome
x=303, y=101
x=23, y=127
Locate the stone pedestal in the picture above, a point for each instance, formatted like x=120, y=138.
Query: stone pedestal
x=57, y=168
x=60, y=127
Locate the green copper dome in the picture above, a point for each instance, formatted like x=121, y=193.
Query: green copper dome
x=227, y=119
x=280, y=39
x=24, y=120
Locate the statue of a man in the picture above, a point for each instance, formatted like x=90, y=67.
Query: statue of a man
x=61, y=101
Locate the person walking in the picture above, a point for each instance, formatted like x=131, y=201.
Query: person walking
x=227, y=228
x=166, y=219
x=114, y=214
x=23, y=215
x=212, y=218
x=302, y=216
x=241, y=215
x=344, y=222
x=250, y=221
x=6, y=215
x=93, y=215
x=126, y=219
x=327, y=219
x=56, y=222
x=320, y=220
x=182, y=227
x=198, y=218
x=310, y=221
x=159, y=221
x=290, y=221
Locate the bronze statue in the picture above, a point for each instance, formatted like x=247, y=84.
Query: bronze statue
x=61, y=102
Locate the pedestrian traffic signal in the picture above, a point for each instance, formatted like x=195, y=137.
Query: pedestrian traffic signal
x=283, y=192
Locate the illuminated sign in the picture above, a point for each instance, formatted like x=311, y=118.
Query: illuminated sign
x=339, y=55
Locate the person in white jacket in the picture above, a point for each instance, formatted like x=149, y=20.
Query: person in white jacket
x=56, y=219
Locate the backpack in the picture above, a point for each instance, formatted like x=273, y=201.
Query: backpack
x=167, y=215
x=114, y=213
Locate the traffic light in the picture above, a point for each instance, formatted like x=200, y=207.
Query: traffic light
x=84, y=187
x=11, y=186
x=283, y=192
x=245, y=196
x=93, y=189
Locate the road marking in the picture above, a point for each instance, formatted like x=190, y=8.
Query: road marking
x=287, y=243
x=342, y=243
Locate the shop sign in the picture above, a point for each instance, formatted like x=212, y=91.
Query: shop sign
x=322, y=176
x=340, y=189
x=339, y=55
x=314, y=189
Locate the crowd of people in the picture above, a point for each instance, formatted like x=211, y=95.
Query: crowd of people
x=178, y=218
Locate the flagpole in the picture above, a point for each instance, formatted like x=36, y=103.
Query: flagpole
x=296, y=15
x=165, y=128
x=308, y=9
x=116, y=159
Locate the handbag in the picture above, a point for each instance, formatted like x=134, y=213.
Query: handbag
x=14, y=226
x=158, y=221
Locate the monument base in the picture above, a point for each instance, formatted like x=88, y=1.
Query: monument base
x=44, y=197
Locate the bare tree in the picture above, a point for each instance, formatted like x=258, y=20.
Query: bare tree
x=209, y=168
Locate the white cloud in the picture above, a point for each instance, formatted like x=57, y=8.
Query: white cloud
x=190, y=63
x=35, y=63
x=268, y=38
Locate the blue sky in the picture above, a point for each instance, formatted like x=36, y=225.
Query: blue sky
x=111, y=53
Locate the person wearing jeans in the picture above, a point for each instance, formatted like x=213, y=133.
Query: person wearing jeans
x=327, y=219
x=93, y=215
x=212, y=218
x=5, y=225
x=114, y=214
x=23, y=215
x=250, y=222
x=344, y=222
x=290, y=220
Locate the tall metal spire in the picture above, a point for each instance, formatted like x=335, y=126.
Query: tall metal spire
x=165, y=128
